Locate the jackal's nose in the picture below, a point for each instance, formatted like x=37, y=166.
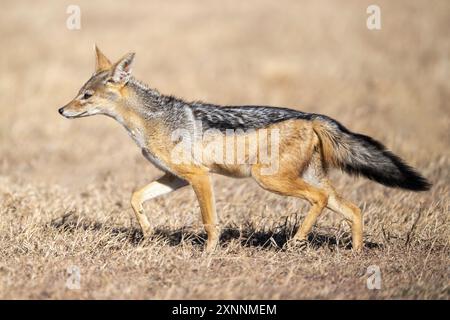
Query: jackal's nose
x=61, y=110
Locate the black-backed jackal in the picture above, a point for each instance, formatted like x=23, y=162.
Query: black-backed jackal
x=239, y=142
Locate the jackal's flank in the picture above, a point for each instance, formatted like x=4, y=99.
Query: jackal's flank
x=309, y=146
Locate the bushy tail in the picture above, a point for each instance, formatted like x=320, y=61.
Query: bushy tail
x=358, y=154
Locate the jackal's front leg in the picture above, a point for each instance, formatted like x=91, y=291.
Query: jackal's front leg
x=163, y=185
x=205, y=195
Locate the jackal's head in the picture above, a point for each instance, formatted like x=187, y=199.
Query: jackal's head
x=104, y=92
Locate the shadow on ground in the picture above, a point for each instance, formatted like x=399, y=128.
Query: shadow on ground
x=248, y=235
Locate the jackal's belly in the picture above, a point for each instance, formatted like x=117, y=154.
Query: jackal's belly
x=236, y=171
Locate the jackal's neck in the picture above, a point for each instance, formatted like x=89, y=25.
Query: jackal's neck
x=143, y=96
x=142, y=106
x=139, y=105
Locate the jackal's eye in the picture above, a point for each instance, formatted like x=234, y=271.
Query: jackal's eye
x=87, y=95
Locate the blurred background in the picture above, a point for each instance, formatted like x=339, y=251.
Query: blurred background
x=312, y=55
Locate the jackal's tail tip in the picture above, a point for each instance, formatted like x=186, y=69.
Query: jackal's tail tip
x=408, y=178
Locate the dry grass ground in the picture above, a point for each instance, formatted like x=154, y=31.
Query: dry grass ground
x=65, y=185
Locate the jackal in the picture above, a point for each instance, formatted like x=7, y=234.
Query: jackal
x=308, y=146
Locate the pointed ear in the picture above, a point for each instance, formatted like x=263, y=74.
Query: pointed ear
x=101, y=61
x=121, y=71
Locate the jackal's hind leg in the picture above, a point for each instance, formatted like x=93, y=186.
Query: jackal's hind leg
x=314, y=174
x=163, y=185
x=290, y=185
x=352, y=215
x=318, y=199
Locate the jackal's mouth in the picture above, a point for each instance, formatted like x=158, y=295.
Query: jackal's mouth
x=80, y=115
x=74, y=115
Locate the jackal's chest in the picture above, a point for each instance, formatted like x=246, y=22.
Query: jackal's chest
x=150, y=153
x=138, y=136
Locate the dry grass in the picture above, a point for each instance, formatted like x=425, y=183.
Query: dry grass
x=65, y=185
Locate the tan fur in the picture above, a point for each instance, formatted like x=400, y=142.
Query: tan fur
x=328, y=152
x=101, y=61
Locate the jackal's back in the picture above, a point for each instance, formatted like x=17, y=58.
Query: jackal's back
x=243, y=117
